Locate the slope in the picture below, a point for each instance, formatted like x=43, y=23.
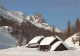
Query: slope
x=6, y=39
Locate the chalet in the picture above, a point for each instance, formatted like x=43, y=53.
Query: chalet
x=59, y=46
x=47, y=42
x=35, y=41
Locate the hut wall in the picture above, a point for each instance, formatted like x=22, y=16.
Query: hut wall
x=45, y=48
x=61, y=47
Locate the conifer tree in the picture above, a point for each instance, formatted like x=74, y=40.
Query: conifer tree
x=77, y=25
x=69, y=29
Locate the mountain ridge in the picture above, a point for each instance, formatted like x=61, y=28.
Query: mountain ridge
x=36, y=19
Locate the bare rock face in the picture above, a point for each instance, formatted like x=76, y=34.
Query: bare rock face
x=39, y=18
x=2, y=7
x=31, y=18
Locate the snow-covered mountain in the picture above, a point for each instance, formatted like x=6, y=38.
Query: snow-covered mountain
x=36, y=19
x=6, y=39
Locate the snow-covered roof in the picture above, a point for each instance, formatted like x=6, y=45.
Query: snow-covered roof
x=58, y=38
x=55, y=45
x=36, y=39
x=47, y=40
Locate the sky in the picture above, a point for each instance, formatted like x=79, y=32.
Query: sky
x=55, y=12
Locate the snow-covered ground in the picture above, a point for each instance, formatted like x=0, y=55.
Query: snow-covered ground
x=24, y=51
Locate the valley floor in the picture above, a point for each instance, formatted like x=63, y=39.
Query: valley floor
x=24, y=51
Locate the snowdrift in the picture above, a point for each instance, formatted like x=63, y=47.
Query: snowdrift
x=73, y=44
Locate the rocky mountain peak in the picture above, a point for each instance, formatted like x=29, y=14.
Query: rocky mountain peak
x=2, y=7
